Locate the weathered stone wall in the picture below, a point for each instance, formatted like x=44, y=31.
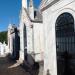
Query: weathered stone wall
x=38, y=41
x=49, y=19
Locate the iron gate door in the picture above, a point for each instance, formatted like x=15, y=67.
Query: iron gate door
x=65, y=44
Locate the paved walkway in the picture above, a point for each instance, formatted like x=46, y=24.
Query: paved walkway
x=10, y=68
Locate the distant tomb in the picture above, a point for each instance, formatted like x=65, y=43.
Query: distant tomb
x=14, y=42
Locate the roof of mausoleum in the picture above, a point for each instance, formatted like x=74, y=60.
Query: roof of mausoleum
x=47, y=3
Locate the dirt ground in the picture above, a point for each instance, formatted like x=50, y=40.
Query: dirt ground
x=10, y=68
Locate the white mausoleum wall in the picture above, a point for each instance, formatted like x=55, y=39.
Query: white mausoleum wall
x=21, y=41
x=49, y=19
x=38, y=41
x=25, y=21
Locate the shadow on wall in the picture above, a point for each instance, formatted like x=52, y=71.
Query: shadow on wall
x=30, y=65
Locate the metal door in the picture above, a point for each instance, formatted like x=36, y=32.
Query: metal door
x=65, y=44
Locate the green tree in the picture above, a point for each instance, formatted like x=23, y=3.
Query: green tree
x=3, y=36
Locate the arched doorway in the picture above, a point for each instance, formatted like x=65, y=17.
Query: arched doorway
x=65, y=42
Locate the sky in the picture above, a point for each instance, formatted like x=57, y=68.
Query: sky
x=9, y=12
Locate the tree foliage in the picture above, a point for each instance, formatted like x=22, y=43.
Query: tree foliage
x=3, y=36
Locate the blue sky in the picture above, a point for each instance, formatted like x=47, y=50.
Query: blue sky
x=9, y=12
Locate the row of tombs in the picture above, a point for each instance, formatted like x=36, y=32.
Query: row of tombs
x=45, y=38
x=28, y=59
x=25, y=42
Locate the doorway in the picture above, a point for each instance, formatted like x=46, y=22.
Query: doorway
x=25, y=42
x=65, y=44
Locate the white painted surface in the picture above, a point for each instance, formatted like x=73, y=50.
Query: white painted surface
x=49, y=19
x=24, y=3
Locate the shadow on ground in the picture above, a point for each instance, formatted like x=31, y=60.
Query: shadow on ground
x=8, y=67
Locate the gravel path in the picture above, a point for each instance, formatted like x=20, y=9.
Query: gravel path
x=10, y=68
